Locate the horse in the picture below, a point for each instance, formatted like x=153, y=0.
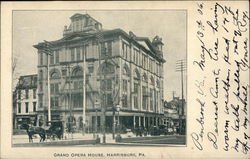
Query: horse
x=34, y=130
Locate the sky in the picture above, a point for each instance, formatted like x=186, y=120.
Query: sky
x=32, y=27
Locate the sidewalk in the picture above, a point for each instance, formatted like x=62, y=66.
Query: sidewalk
x=22, y=139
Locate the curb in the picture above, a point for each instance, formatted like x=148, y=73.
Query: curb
x=57, y=143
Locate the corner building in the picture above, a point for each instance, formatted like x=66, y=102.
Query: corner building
x=120, y=69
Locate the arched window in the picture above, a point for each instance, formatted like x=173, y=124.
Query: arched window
x=126, y=70
x=107, y=68
x=77, y=72
x=55, y=74
x=152, y=81
x=145, y=78
x=136, y=91
x=71, y=120
x=136, y=74
x=158, y=83
x=80, y=123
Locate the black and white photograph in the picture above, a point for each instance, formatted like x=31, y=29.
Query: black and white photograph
x=125, y=80
x=96, y=78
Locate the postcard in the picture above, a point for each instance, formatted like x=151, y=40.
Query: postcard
x=125, y=80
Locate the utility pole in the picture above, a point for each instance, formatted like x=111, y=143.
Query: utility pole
x=48, y=52
x=102, y=98
x=68, y=80
x=103, y=94
x=181, y=66
x=84, y=90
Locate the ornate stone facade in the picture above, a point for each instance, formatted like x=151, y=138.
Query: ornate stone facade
x=120, y=68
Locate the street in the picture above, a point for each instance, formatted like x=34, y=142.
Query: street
x=168, y=141
x=165, y=140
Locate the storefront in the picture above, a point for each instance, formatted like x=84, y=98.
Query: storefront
x=26, y=119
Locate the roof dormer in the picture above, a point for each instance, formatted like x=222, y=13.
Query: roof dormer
x=157, y=43
x=82, y=23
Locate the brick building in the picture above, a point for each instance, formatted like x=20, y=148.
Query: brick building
x=122, y=68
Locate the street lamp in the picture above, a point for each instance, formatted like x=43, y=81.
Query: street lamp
x=118, y=107
x=95, y=131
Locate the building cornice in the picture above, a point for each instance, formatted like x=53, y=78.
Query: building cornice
x=106, y=33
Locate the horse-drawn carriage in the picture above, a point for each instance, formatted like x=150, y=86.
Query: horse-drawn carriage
x=55, y=130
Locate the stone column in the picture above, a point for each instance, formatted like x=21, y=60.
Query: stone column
x=144, y=123
x=139, y=120
x=134, y=122
x=148, y=122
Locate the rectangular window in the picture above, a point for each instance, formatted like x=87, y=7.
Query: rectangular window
x=78, y=85
x=26, y=107
x=78, y=53
x=125, y=85
x=77, y=25
x=52, y=58
x=152, y=65
x=151, y=99
x=134, y=56
x=40, y=100
x=156, y=100
x=103, y=50
x=57, y=56
x=64, y=72
x=41, y=58
x=123, y=49
x=143, y=61
x=54, y=101
x=54, y=88
x=106, y=49
x=136, y=88
x=34, y=106
x=109, y=100
x=125, y=101
x=19, y=108
x=135, y=102
x=140, y=59
x=109, y=84
x=72, y=53
x=109, y=48
x=34, y=93
x=26, y=94
x=75, y=85
x=77, y=100
x=19, y=94
x=136, y=95
x=41, y=86
x=137, y=57
x=91, y=68
x=144, y=98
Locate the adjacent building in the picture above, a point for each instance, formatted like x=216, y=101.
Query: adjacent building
x=25, y=101
x=114, y=67
x=175, y=114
